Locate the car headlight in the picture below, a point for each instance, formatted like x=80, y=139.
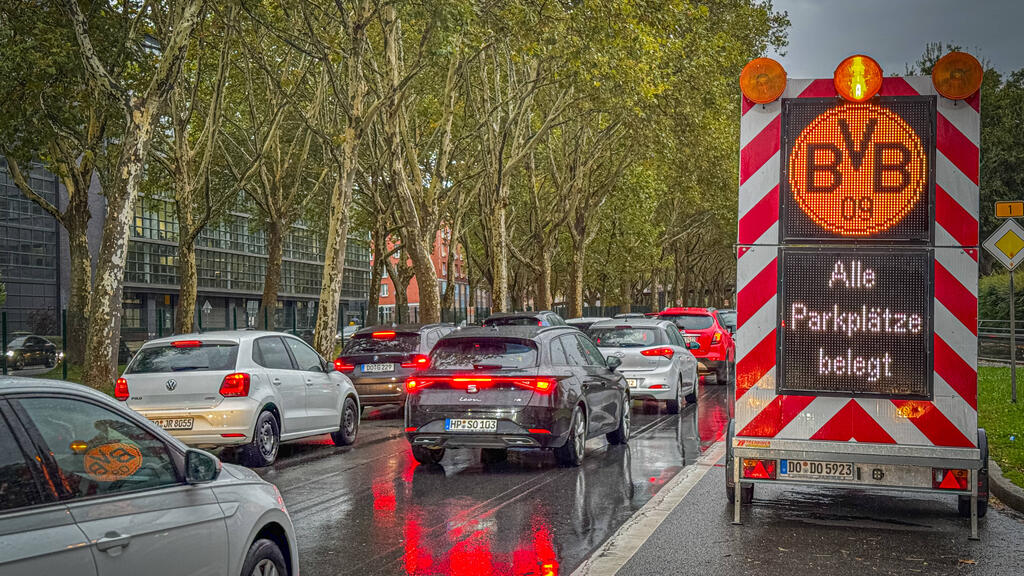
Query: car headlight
x=10, y=353
x=60, y=355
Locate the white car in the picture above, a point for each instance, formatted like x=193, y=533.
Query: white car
x=240, y=388
x=90, y=488
x=656, y=361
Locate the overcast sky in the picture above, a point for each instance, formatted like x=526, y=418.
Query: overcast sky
x=894, y=32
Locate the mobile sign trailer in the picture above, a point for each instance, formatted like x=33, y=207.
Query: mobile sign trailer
x=857, y=282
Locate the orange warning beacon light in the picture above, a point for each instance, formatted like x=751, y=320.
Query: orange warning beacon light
x=957, y=75
x=763, y=80
x=858, y=78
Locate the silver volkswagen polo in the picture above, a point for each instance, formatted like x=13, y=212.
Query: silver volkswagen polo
x=241, y=388
x=656, y=361
x=90, y=488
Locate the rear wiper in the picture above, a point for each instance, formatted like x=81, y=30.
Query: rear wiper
x=488, y=367
x=184, y=368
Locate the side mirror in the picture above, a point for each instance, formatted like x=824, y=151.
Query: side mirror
x=614, y=362
x=201, y=467
x=693, y=345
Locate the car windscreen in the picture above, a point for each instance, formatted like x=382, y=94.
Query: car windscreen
x=168, y=358
x=691, y=321
x=513, y=321
x=17, y=342
x=729, y=319
x=483, y=354
x=368, y=344
x=625, y=336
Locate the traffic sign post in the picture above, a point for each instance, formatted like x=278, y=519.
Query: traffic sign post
x=1007, y=245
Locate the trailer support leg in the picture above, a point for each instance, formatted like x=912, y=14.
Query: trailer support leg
x=974, y=505
x=738, y=500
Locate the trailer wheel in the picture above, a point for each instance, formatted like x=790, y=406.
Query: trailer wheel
x=963, y=503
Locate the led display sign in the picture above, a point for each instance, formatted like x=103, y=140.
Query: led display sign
x=855, y=321
x=856, y=172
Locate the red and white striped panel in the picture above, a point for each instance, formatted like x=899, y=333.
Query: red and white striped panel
x=950, y=420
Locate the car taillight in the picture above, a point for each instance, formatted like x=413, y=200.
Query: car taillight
x=235, y=385
x=413, y=385
x=343, y=366
x=943, y=479
x=759, y=469
x=384, y=335
x=664, y=351
x=121, y=389
x=544, y=385
x=716, y=338
x=186, y=344
x=418, y=362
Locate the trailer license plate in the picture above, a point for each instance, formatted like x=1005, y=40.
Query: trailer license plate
x=389, y=367
x=174, y=423
x=462, y=425
x=806, y=469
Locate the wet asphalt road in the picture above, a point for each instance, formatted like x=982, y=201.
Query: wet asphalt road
x=370, y=509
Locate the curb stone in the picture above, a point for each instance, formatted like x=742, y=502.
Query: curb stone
x=1007, y=492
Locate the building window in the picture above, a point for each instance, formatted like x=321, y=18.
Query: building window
x=444, y=269
x=384, y=290
x=385, y=274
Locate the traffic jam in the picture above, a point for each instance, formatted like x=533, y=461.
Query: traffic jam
x=830, y=414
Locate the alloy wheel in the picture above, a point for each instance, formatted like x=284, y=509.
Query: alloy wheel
x=265, y=567
x=625, y=421
x=580, y=436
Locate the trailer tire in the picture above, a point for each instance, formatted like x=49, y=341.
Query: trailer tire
x=963, y=503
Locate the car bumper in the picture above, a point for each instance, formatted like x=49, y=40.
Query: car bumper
x=230, y=423
x=515, y=429
x=379, y=391
x=657, y=385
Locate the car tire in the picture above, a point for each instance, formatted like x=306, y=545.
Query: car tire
x=722, y=374
x=19, y=364
x=264, y=558
x=427, y=456
x=621, y=434
x=349, y=426
x=571, y=453
x=691, y=398
x=51, y=361
x=672, y=406
x=493, y=455
x=266, y=439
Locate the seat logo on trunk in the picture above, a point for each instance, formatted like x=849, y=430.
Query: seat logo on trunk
x=471, y=388
x=171, y=384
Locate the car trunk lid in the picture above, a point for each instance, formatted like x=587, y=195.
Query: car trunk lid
x=179, y=375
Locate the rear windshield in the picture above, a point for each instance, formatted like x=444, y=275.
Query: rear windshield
x=489, y=354
x=691, y=321
x=729, y=319
x=623, y=337
x=513, y=321
x=170, y=359
x=367, y=344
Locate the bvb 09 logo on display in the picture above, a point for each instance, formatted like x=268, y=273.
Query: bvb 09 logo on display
x=857, y=170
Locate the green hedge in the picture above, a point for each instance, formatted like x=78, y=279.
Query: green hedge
x=994, y=296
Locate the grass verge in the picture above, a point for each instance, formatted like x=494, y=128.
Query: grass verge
x=1002, y=420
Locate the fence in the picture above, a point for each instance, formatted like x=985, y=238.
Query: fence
x=994, y=340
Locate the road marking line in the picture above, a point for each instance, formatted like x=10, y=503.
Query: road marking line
x=627, y=540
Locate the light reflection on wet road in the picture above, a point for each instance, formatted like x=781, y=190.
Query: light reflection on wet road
x=370, y=509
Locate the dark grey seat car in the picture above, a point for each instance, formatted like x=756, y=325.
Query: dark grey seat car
x=515, y=387
x=378, y=359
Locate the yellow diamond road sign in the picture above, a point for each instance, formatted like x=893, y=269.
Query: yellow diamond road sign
x=1007, y=244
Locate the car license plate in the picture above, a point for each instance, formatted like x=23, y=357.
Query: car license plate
x=174, y=423
x=632, y=382
x=800, y=469
x=689, y=339
x=464, y=425
x=389, y=367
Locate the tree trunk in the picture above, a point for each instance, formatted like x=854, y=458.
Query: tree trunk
x=81, y=291
x=376, y=277
x=401, y=303
x=499, y=259
x=272, y=283
x=627, y=296
x=188, y=287
x=542, y=293
x=576, y=281
x=426, y=280
x=334, y=258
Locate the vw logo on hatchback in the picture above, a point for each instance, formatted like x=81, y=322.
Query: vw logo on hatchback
x=172, y=384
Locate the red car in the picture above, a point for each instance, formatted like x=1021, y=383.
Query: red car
x=717, y=351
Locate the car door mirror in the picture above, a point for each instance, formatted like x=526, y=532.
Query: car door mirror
x=201, y=467
x=614, y=362
x=692, y=345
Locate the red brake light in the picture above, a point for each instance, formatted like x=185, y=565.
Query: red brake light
x=716, y=338
x=384, y=335
x=943, y=479
x=121, y=389
x=186, y=344
x=759, y=469
x=235, y=385
x=663, y=351
x=540, y=323
x=343, y=366
x=418, y=362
